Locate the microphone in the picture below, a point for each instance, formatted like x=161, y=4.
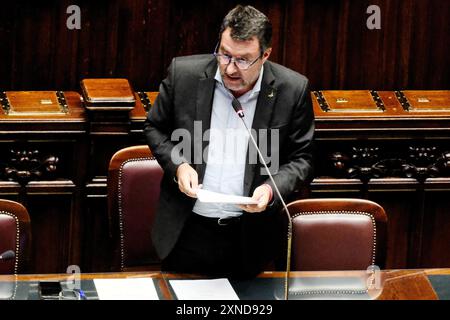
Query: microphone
x=238, y=109
x=7, y=255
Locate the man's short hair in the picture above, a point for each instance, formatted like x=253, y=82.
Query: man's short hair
x=246, y=22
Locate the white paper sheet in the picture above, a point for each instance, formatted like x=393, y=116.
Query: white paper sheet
x=126, y=289
x=211, y=289
x=215, y=197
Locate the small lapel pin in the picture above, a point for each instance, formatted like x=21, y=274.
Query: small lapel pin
x=270, y=94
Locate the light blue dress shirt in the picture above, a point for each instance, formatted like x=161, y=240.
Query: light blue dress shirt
x=227, y=149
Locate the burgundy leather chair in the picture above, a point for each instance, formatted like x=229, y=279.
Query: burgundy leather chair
x=15, y=235
x=337, y=234
x=134, y=178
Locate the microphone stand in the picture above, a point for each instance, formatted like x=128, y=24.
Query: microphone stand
x=238, y=108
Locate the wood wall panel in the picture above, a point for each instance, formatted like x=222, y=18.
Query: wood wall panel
x=55, y=230
x=399, y=206
x=436, y=240
x=96, y=254
x=326, y=40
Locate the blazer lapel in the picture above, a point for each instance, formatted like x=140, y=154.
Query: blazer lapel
x=205, y=93
x=261, y=120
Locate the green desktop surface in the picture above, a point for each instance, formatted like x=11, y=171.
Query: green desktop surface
x=441, y=284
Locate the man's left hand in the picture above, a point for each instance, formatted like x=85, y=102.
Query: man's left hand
x=262, y=194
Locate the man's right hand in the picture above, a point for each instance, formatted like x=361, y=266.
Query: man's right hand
x=187, y=179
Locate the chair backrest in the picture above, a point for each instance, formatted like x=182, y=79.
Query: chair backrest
x=134, y=178
x=15, y=235
x=337, y=234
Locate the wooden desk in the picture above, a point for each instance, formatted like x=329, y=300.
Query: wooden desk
x=389, y=147
x=396, y=284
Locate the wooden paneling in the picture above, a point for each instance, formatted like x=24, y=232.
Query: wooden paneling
x=97, y=247
x=43, y=161
x=328, y=41
x=398, y=159
x=55, y=227
x=399, y=204
x=436, y=226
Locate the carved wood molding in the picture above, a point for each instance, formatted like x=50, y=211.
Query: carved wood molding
x=365, y=163
x=23, y=166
